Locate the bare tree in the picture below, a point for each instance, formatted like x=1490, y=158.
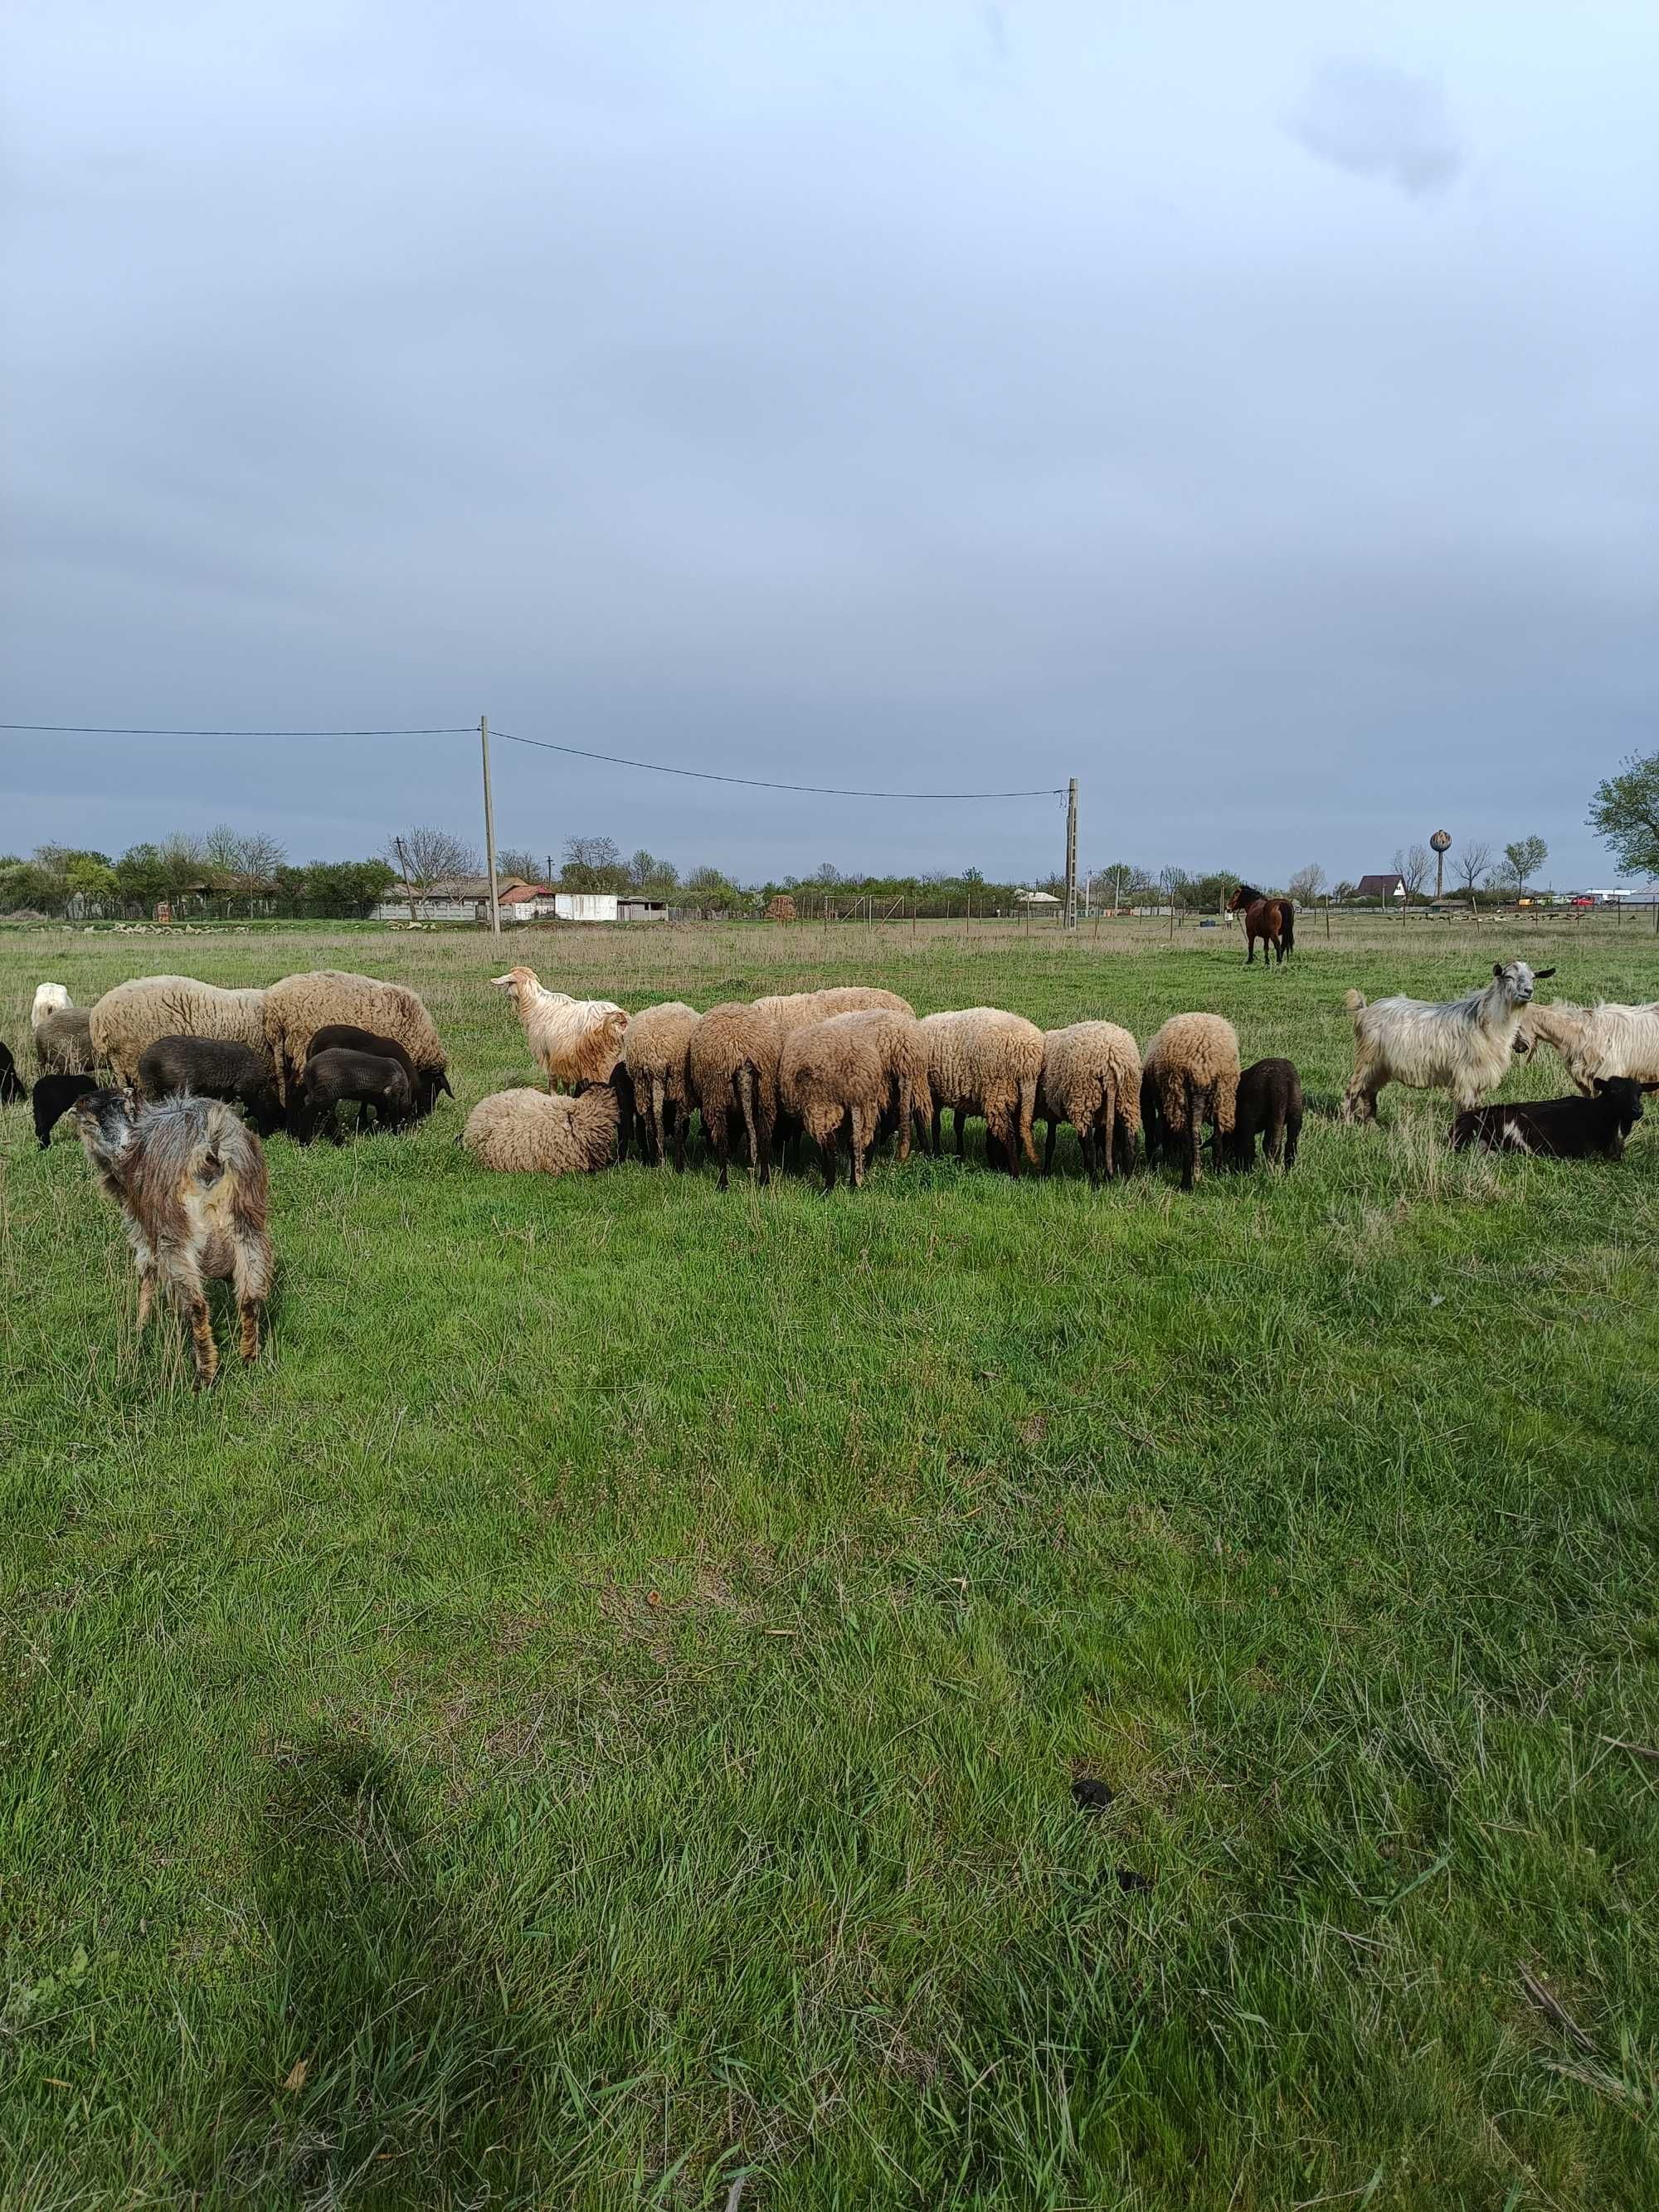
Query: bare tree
x=257, y=858
x=1523, y=860
x=518, y=860
x=1306, y=884
x=1412, y=865
x=1473, y=861
x=424, y=855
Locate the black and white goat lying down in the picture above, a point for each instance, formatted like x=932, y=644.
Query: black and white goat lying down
x=1559, y=1129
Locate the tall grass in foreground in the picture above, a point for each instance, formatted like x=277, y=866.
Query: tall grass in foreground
x=592, y=1715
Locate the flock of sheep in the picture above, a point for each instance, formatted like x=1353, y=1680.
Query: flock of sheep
x=849, y=1065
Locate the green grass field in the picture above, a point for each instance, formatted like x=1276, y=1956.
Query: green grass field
x=590, y=1717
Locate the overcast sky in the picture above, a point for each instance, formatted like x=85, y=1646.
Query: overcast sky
x=1249, y=410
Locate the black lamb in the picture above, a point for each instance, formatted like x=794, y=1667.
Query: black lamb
x=1269, y=1106
x=12, y=1085
x=53, y=1096
x=337, y=1078
x=1559, y=1129
x=213, y=1067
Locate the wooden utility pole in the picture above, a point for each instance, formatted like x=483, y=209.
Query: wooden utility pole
x=489, y=826
x=1071, y=855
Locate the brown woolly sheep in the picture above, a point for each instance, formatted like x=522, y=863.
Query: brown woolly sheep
x=732, y=1071
x=793, y=1009
x=133, y=1015
x=654, y=1046
x=982, y=1061
x=1189, y=1075
x=61, y=1033
x=543, y=1133
x=300, y=1005
x=191, y=1180
x=1091, y=1079
x=828, y=1074
x=901, y=1051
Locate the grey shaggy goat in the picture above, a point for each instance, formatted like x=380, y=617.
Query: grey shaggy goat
x=190, y=1179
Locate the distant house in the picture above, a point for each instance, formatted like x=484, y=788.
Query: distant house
x=1390, y=886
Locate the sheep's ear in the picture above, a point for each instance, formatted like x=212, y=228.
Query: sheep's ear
x=1599, y=1085
x=1542, y=974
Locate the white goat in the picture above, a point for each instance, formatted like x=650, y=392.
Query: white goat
x=1604, y=1039
x=576, y=1039
x=1463, y=1047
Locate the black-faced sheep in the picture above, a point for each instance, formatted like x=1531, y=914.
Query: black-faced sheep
x=543, y=1133
x=1189, y=1076
x=1607, y=1039
x=830, y=1073
x=300, y=1005
x=654, y=1046
x=732, y=1070
x=337, y=1078
x=573, y=1040
x=982, y=1061
x=61, y=1033
x=53, y=1096
x=1268, y=1105
x=1091, y=1079
x=1463, y=1047
x=133, y=1015
x=209, y=1067
x=1560, y=1128
x=189, y=1178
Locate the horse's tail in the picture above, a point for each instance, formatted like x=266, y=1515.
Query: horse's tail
x=1287, y=915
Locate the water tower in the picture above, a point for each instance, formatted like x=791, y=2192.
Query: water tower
x=1441, y=841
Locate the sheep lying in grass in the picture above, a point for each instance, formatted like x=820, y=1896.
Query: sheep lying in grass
x=982, y=1061
x=53, y=1096
x=133, y=1015
x=1189, y=1076
x=190, y=1179
x=61, y=1033
x=654, y=1046
x=573, y=1040
x=1560, y=1128
x=300, y=1005
x=1604, y=1039
x=1091, y=1079
x=830, y=1073
x=732, y=1073
x=1462, y=1046
x=543, y=1133
x=1268, y=1105
x=209, y=1068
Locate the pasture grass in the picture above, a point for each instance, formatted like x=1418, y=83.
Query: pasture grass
x=590, y=1717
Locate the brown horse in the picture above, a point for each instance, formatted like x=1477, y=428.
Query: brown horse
x=1272, y=919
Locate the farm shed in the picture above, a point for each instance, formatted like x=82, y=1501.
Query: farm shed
x=1389, y=886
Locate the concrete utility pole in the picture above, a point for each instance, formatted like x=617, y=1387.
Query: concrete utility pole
x=489, y=826
x=1071, y=855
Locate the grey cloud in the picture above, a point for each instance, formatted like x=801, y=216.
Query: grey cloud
x=1379, y=122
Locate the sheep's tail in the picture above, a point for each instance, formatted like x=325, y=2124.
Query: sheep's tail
x=1028, y=1091
x=659, y=1116
x=745, y=1083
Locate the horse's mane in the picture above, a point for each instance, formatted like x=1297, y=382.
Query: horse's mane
x=1248, y=891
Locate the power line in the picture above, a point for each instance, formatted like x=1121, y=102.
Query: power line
x=763, y=783
x=106, y=730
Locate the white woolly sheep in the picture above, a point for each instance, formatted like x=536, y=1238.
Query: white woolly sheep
x=732, y=1072
x=901, y=1050
x=1605, y=1040
x=1463, y=1047
x=1091, y=1079
x=61, y=1033
x=541, y=1133
x=982, y=1061
x=1189, y=1076
x=300, y=1005
x=830, y=1073
x=654, y=1046
x=793, y=1009
x=573, y=1040
x=134, y=1015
